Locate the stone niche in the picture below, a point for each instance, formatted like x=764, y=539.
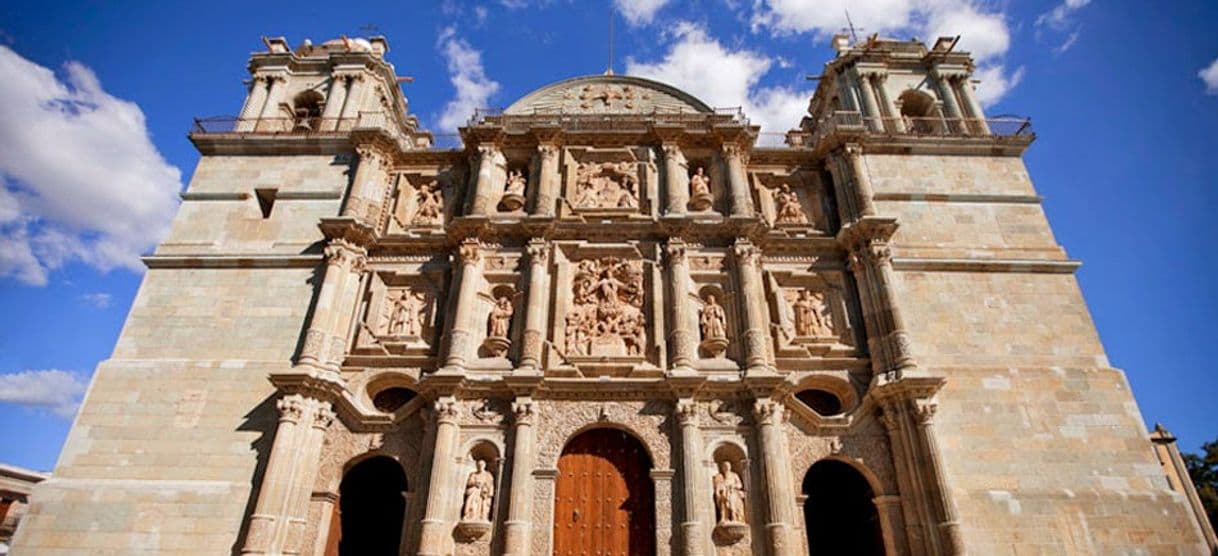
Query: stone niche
x=401, y=309
x=711, y=279
x=812, y=314
x=714, y=173
x=789, y=202
x=424, y=201
x=606, y=310
x=609, y=183
x=499, y=310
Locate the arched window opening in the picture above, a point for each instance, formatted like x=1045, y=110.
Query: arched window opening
x=920, y=113
x=392, y=399
x=306, y=110
x=372, y=507
x=824, y=402
x=840, y=514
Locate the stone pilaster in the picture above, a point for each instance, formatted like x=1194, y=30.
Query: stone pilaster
x=436, y=525
x=278, y=522
x=738, y=180
x=355, y=96
x=775, y=463
x=691, y=476
x=756, y=314
x=862, y=179
x=965, y=89
x=888, y=508
x=335, y=98
x=460, y=337
x=892, y=117
x=537, y=306
x=278, y=86
x=254, y=102
x=325, y=338
x=681, y=337
x=676, y=179
x=520, y=507
x=950, y=106
x=909, y=482
x=547, y=179
x=870, y=260
x=483, y=191
x=949, y=524
x=368, y=187
x=874, y=117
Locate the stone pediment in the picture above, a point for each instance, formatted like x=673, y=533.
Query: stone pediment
x=607, y=94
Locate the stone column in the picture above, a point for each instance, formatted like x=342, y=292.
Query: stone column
x=253, y=104
x=949, y=525
x=862, y=180
x=691, y=476
x=954, y=115
x=277, y=524
x=481, y=201
x=974, y=107
x=682, y=338
x=520, y=506
x=874, y=118
x=367, y=191
x=775, y=462
x=752, y=295
x=871, y=262
x=892, y=116
x=278, y=85
x=888, y=508
x=355, y=92
x=738, y=181
x=335, y=100
x=908, y=482
x=344, y=262
x=547, y=180
x=536, y=308
x=676, y=174
x=460, y=341
x=435, y=521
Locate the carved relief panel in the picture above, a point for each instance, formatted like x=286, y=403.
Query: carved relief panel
x=424, y=201
x=400, y=309
x=610, y=182
x=813, y=313
x=606, y=309
x=789, y=201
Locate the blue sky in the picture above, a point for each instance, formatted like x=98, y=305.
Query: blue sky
x=97, y=99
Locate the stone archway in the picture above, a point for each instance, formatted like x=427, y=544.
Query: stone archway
x=604, y=499
x=840, y=515
x=372, y=509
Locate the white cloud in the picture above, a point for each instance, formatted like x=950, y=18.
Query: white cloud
x=983, y=32
x=1069, y=42
x=735, y=81
x=1059, y=17
x=468, y=77
x=639, y=12
x=58, y=391
x=995, y=83
x=99, y=300
x=79, y=177
x=1209, y=75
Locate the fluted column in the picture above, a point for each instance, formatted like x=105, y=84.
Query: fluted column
x=278, y=85
x=335, y=99
x=439, y=485
x=676, y=174
x=520, y=507
x=254, y=103
x=536, y=308
x=460, y=341
x=891, y=115
x=909, y=482
x=277, y=525
x=871, y=262
x=738, y=181
x=752, y=295
x=355, y=92
x=691, y=476
x=367, y=187
x=344, y=263
x=780, y=493
x=872, y=114
x=481, y=201
x=862, y=180
x=950, y=106
x=681, y=337
x=974, y=107
x=547, y=179
x=949, y=524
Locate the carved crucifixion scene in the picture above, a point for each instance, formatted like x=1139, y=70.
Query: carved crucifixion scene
x=606, y=316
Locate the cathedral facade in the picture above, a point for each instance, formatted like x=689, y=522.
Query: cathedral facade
x=615, y=320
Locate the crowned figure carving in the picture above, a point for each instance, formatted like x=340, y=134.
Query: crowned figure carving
x=606, y=185
x=607, y=317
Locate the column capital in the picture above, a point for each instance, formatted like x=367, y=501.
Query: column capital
x=344, y=253
x=769, y=412
x=852, y=149
x=324, y=417
x=672, y=150
x=687, y=412
x=487, y=149
x=538, y=251
x=924, y=411
x=446, y=410
x=524, y=411
x=734, y=150
x=470, y=252
x=675, y=249
x=292, y=408
x=547, y=150
x=746, y=252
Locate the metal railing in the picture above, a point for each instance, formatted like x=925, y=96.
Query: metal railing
x=615, y=121
x=297, y=126
x=854, y=122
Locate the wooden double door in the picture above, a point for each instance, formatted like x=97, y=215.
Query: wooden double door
x=605, y=500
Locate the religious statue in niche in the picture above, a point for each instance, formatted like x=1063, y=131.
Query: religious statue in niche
x=498, y=324
x=699, y=191
x=787, y=207
x=513, y=194
x=612, y=185
x=714, y=327
x=406, y=318
x=606, y=318
x=429, y=205
x=812, y=318
x=729, y=504
x=479, y=489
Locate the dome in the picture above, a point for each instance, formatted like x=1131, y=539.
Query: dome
x=607, y=94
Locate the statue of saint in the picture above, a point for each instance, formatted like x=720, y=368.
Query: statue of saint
x=430, y=204
x=501, y=318
x=405, y=320
x=729, y=495
x=479, y=488
x=714, y=319
x=699, y=184
x=789, y=209
x=515, y=183
x=810, y=319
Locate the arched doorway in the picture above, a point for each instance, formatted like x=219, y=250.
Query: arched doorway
x=605, y=500
x=371, y=510
x=840, y=515
x=921, y=114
